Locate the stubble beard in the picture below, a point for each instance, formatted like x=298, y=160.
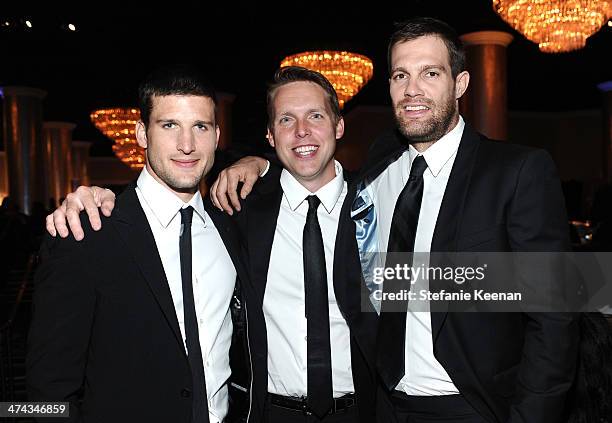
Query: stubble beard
x=429, y=131
x=174, y=182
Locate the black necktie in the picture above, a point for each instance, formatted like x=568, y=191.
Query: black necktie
x=194, y=352
x=392, y=323
x=319, y=375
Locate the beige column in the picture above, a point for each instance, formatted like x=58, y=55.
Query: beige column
x=224, y=119
x=484, y=104
x=57, y=142
x=22, y=118
x=80, y=163
x=606, y=91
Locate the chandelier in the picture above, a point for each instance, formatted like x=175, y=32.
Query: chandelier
x=556, y=25
x=347, y=72
x=119, y=124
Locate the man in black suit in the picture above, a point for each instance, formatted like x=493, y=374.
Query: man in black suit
x=126, y=327
x=312, y=348
x=439, y=186
x=308, y=351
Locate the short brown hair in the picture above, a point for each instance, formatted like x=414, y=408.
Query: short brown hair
x=421, y=26
x=172, y=80
x=289, y=74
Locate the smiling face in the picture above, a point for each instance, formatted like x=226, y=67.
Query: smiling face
x=180, y=141
x=423, y=91
x=304, y=132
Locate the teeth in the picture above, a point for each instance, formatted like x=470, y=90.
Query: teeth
x=305, y=150
x=414, y=108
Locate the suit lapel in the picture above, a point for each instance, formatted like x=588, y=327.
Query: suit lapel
x=349, y=287
x=262, y=216
x=133, y=227
x=451, y=210
x=229, y=235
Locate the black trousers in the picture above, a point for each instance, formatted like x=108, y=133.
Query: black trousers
x=447, y=408
x=276, y=414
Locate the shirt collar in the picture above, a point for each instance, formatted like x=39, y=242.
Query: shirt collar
x=164, y=203
x=440, y=152
x=329, y=193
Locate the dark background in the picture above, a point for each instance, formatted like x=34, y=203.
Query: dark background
x=241, y=45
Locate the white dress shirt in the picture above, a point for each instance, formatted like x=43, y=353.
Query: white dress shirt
x=284, y=300
x=424, y=375
x=214, y=277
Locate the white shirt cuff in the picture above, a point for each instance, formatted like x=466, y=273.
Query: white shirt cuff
x=262, y=174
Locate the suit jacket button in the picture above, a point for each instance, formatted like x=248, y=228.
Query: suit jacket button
x=185, y=393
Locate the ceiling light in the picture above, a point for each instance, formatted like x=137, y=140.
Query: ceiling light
x=348, y=72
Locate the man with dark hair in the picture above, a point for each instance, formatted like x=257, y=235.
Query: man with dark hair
x=442, y=187
x=126, y=326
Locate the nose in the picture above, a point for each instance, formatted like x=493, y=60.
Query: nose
x=186, y=142
x=301, y=129
x=412, y=88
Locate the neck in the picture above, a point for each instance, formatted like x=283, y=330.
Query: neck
x=422, y=146
x=317, y=182
x=185, y=194
x=314, y=186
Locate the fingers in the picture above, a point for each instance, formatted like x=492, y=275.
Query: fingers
x=59, y=220
x=73, y=206
x=213, y=194
x=107, y=201
x=222, y=186
x=232, y=188
x=90, y=202
x=224, y=191
x=50, y=226
x=84, y=198
x=247, y=185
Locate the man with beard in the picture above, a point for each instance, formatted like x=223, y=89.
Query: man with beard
x=442, y=187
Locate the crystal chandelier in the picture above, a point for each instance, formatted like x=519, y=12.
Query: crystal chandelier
x=556, y=25
x=348, y=72
x=119, y=124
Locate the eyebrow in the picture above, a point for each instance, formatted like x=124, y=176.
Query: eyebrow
x=204, y=122
x=197, y=122
x=317, y=110
x=421, y=69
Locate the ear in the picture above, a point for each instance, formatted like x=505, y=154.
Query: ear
x=270, y=138
x=461, y=83
x=340, y=128
x=141, y=134
x=218, y=130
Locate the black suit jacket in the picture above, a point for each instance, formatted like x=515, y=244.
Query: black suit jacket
x=257, y=221
x=104, y=334
x=500, y=197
